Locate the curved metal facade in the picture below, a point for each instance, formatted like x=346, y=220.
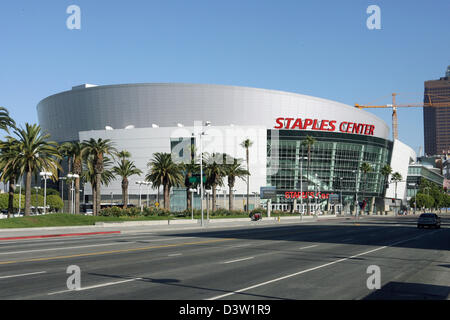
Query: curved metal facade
x=65, y=114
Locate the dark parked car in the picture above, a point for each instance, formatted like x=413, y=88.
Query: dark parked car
x=429, y=220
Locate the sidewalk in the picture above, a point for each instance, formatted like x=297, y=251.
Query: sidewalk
x=150, y=226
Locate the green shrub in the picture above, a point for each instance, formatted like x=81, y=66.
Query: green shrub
x=4, y=198
x=54, y=202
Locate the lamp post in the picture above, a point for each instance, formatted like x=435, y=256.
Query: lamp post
x=342, y=204
x=140, y=183
x=356, y=193
x=45, y=175
x=36, y=207
x=72, y=177
x=202, y=133
x=20, y=194
x=62, y=189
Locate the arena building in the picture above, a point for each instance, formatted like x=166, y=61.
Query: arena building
x=148, y=118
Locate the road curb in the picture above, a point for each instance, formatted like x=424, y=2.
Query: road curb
x=59, y=235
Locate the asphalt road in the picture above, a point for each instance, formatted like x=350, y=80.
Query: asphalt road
x=316, y=260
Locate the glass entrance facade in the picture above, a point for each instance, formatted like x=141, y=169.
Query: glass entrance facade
x=333, y=170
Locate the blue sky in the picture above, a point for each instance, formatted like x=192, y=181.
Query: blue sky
x=319, y=48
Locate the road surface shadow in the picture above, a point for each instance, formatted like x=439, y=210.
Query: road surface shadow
x=361, y=233
x=409, y=291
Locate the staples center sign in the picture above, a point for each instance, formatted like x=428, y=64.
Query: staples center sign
x=324, y=125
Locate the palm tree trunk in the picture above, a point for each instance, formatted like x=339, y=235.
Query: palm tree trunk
x=188, y=199
x=12, y=189
x=166, y=197
x=28, y=194
x=230, y=199
x=98, y=195
x=94, y=199
x=213, y=207
x=77, y=196
x=124, y=193
x=248, y=180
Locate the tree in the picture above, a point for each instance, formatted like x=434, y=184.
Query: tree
x=90, y=176
x=75, y=151
x=396, y=178
x=308, y=143
x=9, y=170
x=233, y=171
x=125, y=169
x=34, y=152
x=246, y=144
x=55, y=202
x=365, y=168
x=386, y=170
x=6, y=122
x=215, y=172
x=163, y=171
x=98, y=149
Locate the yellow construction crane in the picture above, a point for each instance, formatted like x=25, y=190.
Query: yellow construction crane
x=394, y=107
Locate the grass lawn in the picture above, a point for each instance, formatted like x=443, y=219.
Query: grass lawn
x=65, y=220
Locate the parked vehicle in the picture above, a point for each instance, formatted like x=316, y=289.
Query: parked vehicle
x=429, y=220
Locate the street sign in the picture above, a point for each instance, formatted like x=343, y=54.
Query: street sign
x=156, y=204
x=268, y=192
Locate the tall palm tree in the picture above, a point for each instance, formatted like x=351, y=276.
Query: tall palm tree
x=125, y=169
x=386, y=170
x=9, y=170
x=89, y=176
x=35, y=152
x=233, y=171
x=6, y=121
x=163, y=171
x=396, y=178
x=308, y=143
x=75, y=151
x=365, y=168
x=246, y=144
x=124, y=154
x=98, y=149
x=214, y=172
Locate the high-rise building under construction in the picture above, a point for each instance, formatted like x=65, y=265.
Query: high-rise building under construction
x=436, y=121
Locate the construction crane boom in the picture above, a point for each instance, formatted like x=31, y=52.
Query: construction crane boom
x=394, y=107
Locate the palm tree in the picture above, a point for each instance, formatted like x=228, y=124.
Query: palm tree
x=74, y=150
x=89, y=176
x=233, y=171
x=6, y=121
x=125, y=169
x=365, y=168
x=215, y=172
x=246, y=144
x=8, y=168
x=386, y=171
x=98, y=149
x=124, y=154
x=308, y=142
x=396, y=178
x=165, y=172
x=34, y=152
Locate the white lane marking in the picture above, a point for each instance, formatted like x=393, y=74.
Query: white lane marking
x=309, y=247
x=174, y=254
x=241, y=245
x=22, y=275
x=96, y=286
x=312, y=269
x=237, y=260
x=93, y=245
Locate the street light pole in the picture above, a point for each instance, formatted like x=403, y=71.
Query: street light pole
x=72, y=177
x=45, y=175
x=20, y=194
x=207, y=124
